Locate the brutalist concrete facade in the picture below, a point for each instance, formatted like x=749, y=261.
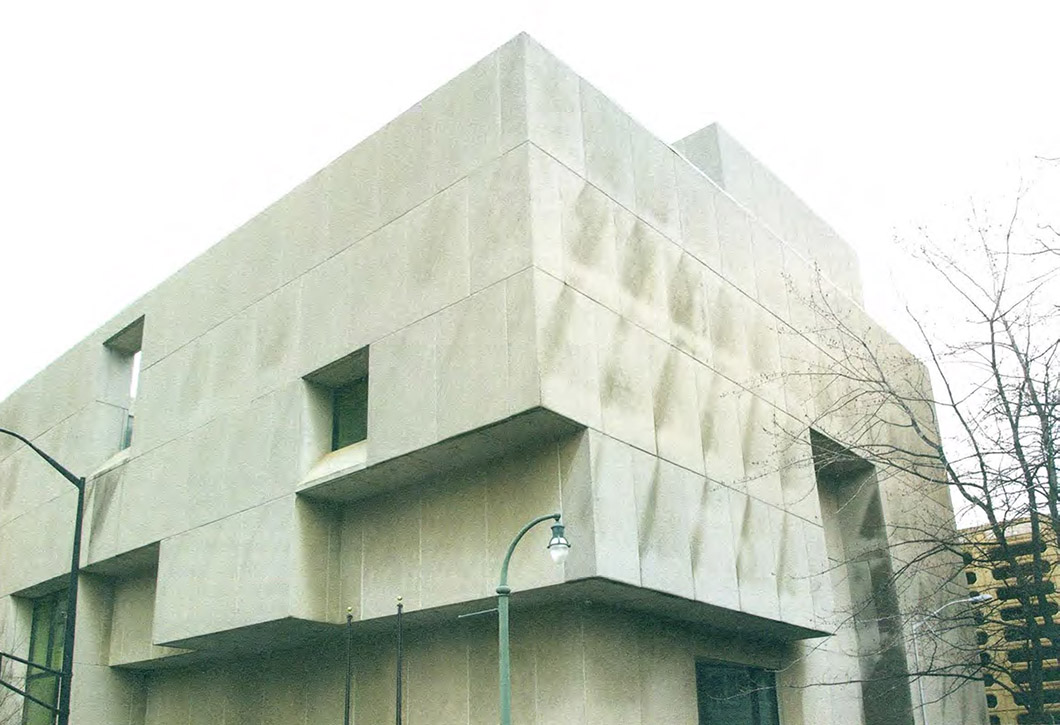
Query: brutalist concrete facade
x=555, y=311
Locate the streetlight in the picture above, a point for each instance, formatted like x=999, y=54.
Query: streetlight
x=67, y=676
x=558, y=548
x=977, y=599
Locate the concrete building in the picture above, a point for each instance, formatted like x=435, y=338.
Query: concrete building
x=1002, y=626
x=511, y=300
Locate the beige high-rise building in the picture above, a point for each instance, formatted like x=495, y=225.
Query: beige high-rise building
x=1002, y=626
x=511, y=300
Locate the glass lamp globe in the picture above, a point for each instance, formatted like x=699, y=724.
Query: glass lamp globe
x=558, y=546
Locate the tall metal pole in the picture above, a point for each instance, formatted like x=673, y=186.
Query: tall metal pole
x=503, y=593
x=400, y=658
x=67, y=678
x=977, y=599
x=349, y=664
x=71, y=610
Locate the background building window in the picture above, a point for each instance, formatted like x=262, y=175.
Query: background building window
x=45, y=648
x=736, y=695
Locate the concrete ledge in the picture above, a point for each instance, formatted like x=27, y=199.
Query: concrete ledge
x=357, y=481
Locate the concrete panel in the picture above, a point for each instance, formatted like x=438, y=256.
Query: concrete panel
x=730, y=312
x=756, y=525
x=292, y=236
x=734, y=239
x=36, y=563
x=655, y=182
x=625, y=379
x=761, y=465
x=615, y=509
x=463, y=123
x=699, y=222
x=578, y=504
x=104, y=695
x=559, y=672
x=676, y=409
x=437, y=246
x=131, y=622
x=403, y=417
x=588, y=239
x=453, y=539
x=567, y=350
x=521, y=488
x=667, y=677
x=553, y=107
x=608, y=151
x=524, y=378
x=701, y=150
x=102, y=515
x=392, y=559
x=609, y=650
x=473, y=362
x=718, y=399
x=233, y=572
x=665, y=495
x=316, y=559
x=769, y=254
x=499, y=218
x=689, y=316
x=798, y=481
x=547, y=209
x=713, y=547
x=351, y=190
x=438, y=681
x=274, y=338
x=404, y=150
x=794, y=589
x=645, y=262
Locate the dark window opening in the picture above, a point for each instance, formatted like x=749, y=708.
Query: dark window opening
x=736, y=695
x=1031, y=590
x=970, y=577
x=349, y=414
x=45, y=648
x=1023, y=548
x=1010, y=613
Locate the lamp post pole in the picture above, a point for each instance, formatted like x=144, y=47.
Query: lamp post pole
x=977, y=599
x=558, y=548
x=67, y=677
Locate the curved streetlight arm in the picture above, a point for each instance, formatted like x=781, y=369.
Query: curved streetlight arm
x=923, y=620
x=66, y=679
x=515, y=542
x=76, y=480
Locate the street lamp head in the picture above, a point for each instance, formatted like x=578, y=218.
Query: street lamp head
x=980, y=598
x=558, y=546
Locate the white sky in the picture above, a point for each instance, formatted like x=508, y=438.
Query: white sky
x=135, y=135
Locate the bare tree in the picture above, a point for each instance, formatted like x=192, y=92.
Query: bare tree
x=980, y=422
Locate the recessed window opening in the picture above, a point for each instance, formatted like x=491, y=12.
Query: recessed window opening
x=736, y=695
x=342, y=388
x=124, y=376
x=856, y=541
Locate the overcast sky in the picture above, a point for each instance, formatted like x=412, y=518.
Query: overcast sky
x=133, y=136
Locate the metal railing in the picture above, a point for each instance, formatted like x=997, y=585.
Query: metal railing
x=58, y=673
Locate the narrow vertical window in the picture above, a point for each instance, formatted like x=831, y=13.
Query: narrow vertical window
x=45, y=648
x=123, y=379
